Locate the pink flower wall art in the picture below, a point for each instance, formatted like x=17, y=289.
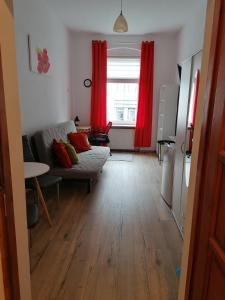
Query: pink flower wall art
x=39, y=58
x=43, y=64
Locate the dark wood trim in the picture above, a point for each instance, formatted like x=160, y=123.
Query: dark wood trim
x=10, y=265
x=222, y=156
x=202, y=162
x=219, y=255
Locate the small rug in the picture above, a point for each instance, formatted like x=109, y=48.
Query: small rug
x=121, y=157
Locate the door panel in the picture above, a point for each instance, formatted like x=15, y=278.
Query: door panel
x=220, y=223
x=217, y=282
x=208, y=270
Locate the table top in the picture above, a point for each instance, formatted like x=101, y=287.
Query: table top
x=34, y=169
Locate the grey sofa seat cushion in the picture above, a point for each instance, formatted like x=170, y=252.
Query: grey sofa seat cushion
x=89, y=165
x=90, y=162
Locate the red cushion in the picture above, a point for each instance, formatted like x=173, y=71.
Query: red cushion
x=62, y=155
x=79, y=141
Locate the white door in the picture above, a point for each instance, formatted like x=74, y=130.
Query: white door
x=180, y=140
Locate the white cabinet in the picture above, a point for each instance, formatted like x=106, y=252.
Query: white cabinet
x=167, y=174
x=167, y=111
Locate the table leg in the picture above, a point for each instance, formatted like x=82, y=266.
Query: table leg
x=42, y=200
x=57, y=187
x=160, y=154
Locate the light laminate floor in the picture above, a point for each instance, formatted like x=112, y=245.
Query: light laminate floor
x=118, y=243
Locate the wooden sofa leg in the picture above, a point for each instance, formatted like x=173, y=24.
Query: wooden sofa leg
x=90, y=184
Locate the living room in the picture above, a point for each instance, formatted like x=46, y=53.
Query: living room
x=121, y=238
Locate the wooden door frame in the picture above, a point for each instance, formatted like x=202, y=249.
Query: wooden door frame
x=203, y=150
x=8, y=243
x=10, y=5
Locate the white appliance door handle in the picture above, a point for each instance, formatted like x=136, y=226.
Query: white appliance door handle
x=182, y=147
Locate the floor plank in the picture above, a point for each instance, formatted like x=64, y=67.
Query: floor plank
x=119, y=242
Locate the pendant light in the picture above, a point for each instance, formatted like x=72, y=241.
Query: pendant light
x=121, y=23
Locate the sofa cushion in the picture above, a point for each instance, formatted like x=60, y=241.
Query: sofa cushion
x=89, y=166
x=27, y=151
x=72, y=153
x=61, y=154
x=79, y=141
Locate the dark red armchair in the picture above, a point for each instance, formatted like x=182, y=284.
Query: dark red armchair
x=100, y=138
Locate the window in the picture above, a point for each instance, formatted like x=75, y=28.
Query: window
x=122, y=90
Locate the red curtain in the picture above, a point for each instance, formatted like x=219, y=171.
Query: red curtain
x=143, y=129
x=98, y=90
x=192, y=125
x=197, y=80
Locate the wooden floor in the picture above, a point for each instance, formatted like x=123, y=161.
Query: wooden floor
x=119, y=242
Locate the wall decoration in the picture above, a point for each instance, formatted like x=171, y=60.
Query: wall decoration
x=39, y=57
x=87, y=83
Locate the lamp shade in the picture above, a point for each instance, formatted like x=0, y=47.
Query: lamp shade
x=120, y=24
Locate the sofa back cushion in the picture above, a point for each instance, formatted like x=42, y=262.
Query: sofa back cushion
x=72, y=153
x=79, y=141
x=61, y=154
x=28, y=155
x=44, y=139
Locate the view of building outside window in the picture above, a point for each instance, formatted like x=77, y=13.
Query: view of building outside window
x=122, y=90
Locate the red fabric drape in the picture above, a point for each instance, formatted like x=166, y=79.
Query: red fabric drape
x=143, y=129
x=197, y=80
x=98, y=90
x=192, y=125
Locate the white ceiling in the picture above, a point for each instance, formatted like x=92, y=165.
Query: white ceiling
x=143, y=16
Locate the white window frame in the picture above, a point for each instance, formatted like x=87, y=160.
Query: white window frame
x=117, y=123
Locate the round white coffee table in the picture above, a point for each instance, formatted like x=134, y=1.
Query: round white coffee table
x=31, y=171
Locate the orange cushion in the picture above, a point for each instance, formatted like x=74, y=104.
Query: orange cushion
x=61, y=155
x=79, y=141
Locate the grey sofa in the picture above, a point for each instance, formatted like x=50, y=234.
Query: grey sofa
x=90, y=162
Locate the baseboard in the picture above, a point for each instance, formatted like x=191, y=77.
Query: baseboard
x=123, y=150
x=133, y=150
x=178, y=226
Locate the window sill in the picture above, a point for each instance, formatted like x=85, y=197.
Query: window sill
x=123, y=127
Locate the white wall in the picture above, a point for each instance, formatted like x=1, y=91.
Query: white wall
x=191, y=36
x=43, y=100
x=80, y=54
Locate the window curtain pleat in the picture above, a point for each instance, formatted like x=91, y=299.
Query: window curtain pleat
x=99, y=81
x=195, y=103
x=143, y=131
x=197, y=80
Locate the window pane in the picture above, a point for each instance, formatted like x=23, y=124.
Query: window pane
x=122, y=102
x=123, y=68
